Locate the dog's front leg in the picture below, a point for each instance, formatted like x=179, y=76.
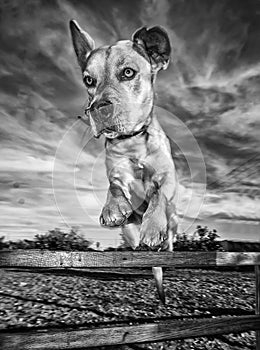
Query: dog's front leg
x=117, y=208
x=159, y=220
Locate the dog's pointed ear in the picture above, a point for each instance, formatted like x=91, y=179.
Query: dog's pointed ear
x=154, y=44
x=82, y=42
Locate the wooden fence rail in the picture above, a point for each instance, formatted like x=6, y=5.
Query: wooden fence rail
x=170, y=330
x=46, y=258
x=140, y=333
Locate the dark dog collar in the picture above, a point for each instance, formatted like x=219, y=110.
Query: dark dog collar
x=142, y=131
x=139, y=132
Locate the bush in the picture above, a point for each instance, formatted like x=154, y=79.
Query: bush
x=202, y=239
x=2, y=243
x=53, y=240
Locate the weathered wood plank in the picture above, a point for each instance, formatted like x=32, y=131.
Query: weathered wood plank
x=257, y=307
x=83, y=338
x=237, y=259
x=46, y=258
x=37, y=258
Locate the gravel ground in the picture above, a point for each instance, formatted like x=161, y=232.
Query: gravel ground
x=30, y=299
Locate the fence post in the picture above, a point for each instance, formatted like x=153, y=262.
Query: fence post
x=257, y=296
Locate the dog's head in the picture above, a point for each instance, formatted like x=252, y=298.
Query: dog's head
x=119, y=78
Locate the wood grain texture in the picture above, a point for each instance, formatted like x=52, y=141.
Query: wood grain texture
x=237, y=259
x=62, y=259
x=257, y=307
x=83, y=338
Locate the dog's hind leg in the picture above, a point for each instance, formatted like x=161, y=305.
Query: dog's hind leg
x=159, y=223
x=131, y=230
x=158, y=277
x=154, y=232
x=157, y=271
x=131, y=234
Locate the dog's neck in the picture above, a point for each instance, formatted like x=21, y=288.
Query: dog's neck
x=135, y=133
x=143, y=130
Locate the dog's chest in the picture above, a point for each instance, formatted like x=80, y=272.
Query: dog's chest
x=138, y=154
x=133, y=162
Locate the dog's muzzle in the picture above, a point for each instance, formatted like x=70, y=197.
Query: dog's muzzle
x=103, y=120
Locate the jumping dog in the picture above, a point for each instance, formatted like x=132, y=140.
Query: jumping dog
x=142, y=178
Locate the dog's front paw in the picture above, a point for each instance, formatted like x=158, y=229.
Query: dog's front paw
x=116, y=212
x=154, y=229
x=154, y=226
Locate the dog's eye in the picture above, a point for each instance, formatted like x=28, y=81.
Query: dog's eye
x=89, y=81
x=128, y=73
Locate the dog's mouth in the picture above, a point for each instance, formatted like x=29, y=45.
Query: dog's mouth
x=104, y=121
x=99, y=130
x=110, y=134
x=108, y=121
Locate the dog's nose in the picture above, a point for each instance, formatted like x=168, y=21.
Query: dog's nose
x=99, y=104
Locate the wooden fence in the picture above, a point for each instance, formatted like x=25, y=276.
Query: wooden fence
x=84, y=337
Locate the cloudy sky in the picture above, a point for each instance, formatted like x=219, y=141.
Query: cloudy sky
x=52, y=172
